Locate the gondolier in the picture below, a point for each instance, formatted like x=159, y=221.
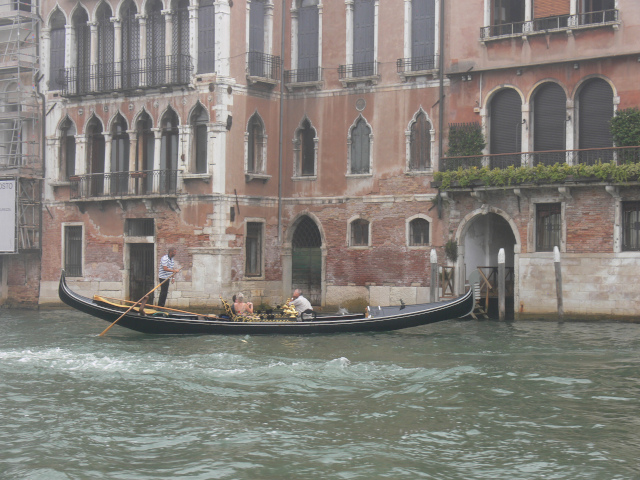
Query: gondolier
x=167, y=269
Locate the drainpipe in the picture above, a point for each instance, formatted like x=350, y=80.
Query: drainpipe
x=281, y=126
x=441, y=78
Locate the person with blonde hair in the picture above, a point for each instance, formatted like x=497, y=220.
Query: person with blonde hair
x=241, y=307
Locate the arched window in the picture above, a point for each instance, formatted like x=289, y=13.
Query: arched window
x=595, y=110
x=82, y=51
x=130, y=46
x=256, y=145
x=181, y=61
x=420, y=144
x=360, y=148
x=549, y=122
x=67, y=149
x=206, y=37
x=418, y=232
x=119, y=157
x=305, y=149
x=308, y=34
x=359, y=233
x=423, y=34
x=145, y=151
x=169, y=152
x=105, y=67
x=199, y=121
x=256, y=38
x=95, y=157
x=506, y=127
x=56, y=51
x=155, y=67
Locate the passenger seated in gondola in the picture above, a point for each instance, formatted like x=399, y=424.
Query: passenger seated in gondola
x=241, y=307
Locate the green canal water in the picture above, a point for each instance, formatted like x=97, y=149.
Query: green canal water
x=455, y=400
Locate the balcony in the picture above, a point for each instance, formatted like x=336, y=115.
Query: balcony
x=145, y=183
x=303, y=78
x=125, y=76
x=590, y=156
x=550, y=24
x=263, y=68
x=416, y=66
x=355, y=73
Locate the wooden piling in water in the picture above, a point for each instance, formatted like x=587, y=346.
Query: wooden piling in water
x=501, y=285
x=434, y=276
x=558, y=269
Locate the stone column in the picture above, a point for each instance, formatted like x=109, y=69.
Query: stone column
x=157, y=132
x=168, y=44
x=117, y=45
x=107, y=162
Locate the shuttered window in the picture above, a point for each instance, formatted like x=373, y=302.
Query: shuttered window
x=83, y=50
x=360, y=147
x=549, y=123
x=56, y=52
x=308, y=33
x=506, y=122
x=363, y=37
x=200, y=135
x=548, y=226
x=73, y=251
x=255, y=145
x=206, y=37
x=420, y=143
x=253, y=245
x=595, y=107
x=119, y=157
x=551, y=8
x=423, y=26
x=630, y=226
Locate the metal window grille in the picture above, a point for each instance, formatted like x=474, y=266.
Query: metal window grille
x=548, y=226
x=73, y=251
x=253, y=246
x=631, y=226
x=419, y=232
x=359, y=233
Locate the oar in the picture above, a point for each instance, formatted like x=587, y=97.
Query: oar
x=131, y=307
x=155, y=307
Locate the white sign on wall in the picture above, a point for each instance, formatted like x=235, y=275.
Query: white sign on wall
x=7, y=216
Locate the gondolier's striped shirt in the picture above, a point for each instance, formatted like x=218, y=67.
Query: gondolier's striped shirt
x=165, y=262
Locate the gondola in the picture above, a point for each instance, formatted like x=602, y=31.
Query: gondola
x=376, y=319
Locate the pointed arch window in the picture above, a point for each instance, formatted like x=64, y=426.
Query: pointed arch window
x=305, y=151
x=256, y=146
x=145, y=151
x=199, y=126
x=96, y=157
x=119, y=157
x=82, y=51
x=67, y=149
x=155, y=67
x=130, y=46
x=359, y=152
x=57, y=44
x=206, y=37
x=169, y=152
x=420, y=144
x=106, y=38
x=549, y=122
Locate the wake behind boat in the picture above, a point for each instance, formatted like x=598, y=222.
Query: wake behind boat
x=177, y=323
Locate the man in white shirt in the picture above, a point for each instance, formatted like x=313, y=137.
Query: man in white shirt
x=301, y=304
x=166, y=270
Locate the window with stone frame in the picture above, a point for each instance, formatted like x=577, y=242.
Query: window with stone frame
x=256, y=143
x=596, y=11
x=305, y=149
x=420, y=144
x=253, y=249
x=360, y=148
x=359, y=233
x=630, y=226
x=57, y=44
x=73, y=250
x=423, y=34
x=206, y=37
x=119, y=157
x=67, y=149
x=507, y=17
x=548, y=226
x=418, y=232
x=199, y=121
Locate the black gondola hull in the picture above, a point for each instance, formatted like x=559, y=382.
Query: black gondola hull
x=181, y=324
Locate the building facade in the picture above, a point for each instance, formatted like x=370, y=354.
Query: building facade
x=281, y=149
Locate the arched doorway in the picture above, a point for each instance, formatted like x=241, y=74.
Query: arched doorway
x=306, y=261
x=482, y=236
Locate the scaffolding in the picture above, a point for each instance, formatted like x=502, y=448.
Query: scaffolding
x=20, y=153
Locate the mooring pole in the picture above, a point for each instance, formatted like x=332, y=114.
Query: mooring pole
x=434, y=276
x=501, y=285
x=558, y=269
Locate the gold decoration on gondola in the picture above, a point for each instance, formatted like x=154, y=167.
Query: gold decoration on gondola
x=258, y=318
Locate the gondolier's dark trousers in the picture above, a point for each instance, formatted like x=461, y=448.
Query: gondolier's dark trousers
x=164, y=290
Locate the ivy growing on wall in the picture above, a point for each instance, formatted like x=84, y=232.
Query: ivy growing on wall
x=625, y=127
x=465, y=139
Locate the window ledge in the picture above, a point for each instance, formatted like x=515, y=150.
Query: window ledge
x=418, y=247
x=359, y=175
x=248, y=177
x=264, y=80
x=60, y=183
x=360, y=81
x=360, y=247
x=418, y=73
x=205, y=177
x=302, y=85
x=419, y=173
x=302, y=178
x=615, y=24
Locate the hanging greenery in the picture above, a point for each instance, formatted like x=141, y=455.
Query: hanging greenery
x=625, y=127
x=465, y=139
x=451, y=250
